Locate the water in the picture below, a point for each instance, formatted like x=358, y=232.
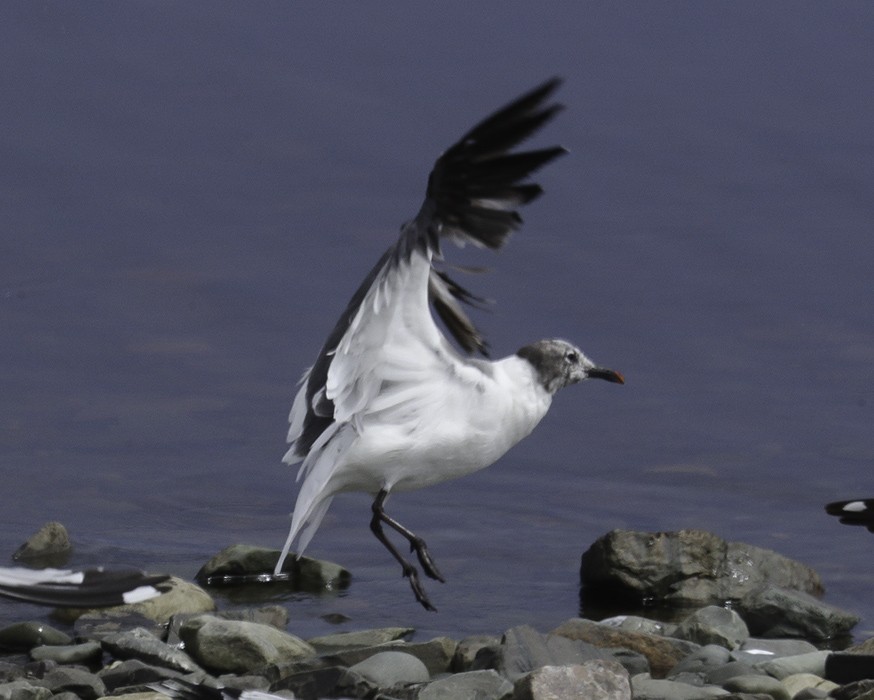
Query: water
x=191, y=192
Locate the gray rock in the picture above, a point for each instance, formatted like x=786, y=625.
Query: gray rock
x=141, y=644
x=96, y=625
x=237, y=646
x=632, y=661
x=714, y=624
x=720, y=674
x=306, y=574
x=757, y=650
x=23, y=690
x=84, y=653
x=524, y=649
x=469, y=649
x=180, y=596
x=635, y=623
x=799, y=682
x=662, y=653
x=473, y=685
x=812, y=662
x=362, y=638
x=436, y=653
x=27, y=635
x=273, y=615
x=74, y=680
x=756, y=684
x=645, y=688
x=50, y=546
x=702, y=661
x=605, y=680
x=391, y=668
x=687, y=568
x=778, y=612
x=133, y=672
x=328, y=682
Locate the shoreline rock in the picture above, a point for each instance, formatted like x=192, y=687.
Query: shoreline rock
x=711, y=650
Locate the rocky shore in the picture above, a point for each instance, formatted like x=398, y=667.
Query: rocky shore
x=746, y=623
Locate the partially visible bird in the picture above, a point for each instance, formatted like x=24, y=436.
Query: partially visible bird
x=857, y=512
x=90, y=588
x=390, y=404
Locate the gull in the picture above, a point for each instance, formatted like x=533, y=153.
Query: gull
x=390, y=405
x=89, y=588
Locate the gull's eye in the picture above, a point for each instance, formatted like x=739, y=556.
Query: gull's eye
x=571, y=356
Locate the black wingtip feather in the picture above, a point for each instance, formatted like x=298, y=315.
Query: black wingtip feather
x=476, y=185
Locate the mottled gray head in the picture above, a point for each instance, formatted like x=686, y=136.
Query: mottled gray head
x=560, y=364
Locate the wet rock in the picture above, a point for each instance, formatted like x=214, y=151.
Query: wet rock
x=362, y=638
x=27, y=635
x=757, y=685
x=392, y=668
x=141, y=644
x=48, y=546
x=755, y=650
x=687, y=568
x=482, y=685
x=84, y=653
x=602, y=679
x=778, y=612
x=713, y=624
x=237, y=646
x=74, y=680
x=244, y=560
x=848, y=667
x=523, y=649
x=23, y=690
x=663, y=653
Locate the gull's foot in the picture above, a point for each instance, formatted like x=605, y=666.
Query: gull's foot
x=413, y=575
x=417, y=545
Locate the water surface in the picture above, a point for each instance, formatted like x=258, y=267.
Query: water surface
x=191, y=192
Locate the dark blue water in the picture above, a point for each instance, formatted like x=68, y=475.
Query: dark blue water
x=189, y=193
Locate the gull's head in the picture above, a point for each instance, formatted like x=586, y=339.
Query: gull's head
x=559, y=364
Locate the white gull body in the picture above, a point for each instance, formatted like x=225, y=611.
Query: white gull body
x=390, y=404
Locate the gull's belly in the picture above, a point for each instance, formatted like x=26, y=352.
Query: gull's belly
x=413, y=454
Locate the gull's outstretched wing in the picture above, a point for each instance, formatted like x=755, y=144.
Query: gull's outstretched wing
x=91, y=588
x=386, y=353
x=473, y=192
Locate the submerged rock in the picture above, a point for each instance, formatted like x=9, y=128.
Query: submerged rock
x=48, y=546
x=242, y=563
x=686, y=568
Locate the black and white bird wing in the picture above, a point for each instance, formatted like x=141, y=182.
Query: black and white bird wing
x=473, y=192
x=90, y=588
x=856, y=512
x=386, y=353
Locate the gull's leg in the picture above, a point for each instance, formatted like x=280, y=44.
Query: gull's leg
x=417, y=544
x=409, y=570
